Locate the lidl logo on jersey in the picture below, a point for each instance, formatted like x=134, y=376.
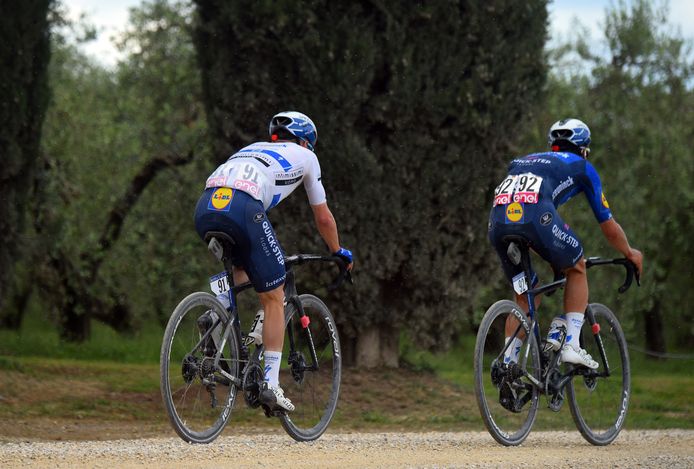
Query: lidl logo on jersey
x=221, y=199
x=514, y=212
x=604, y=201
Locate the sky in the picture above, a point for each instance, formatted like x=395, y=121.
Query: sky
x=111, y=16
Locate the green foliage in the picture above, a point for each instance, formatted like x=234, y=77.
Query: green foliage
x=409, y=100
x=638, y=103
x=106, y=133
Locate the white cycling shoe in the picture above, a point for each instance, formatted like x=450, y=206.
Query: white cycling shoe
x=273, y=397
x=577, y=357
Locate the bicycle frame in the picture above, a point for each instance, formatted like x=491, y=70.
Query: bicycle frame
x=521, y=255
x=291, y=296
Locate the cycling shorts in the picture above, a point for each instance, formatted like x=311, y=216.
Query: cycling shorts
x=243, y=218
x=542, y=226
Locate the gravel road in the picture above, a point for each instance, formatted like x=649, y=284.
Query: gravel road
x=652, y=449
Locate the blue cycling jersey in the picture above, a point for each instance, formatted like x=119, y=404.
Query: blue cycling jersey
x=564, y=175
x=526, y=202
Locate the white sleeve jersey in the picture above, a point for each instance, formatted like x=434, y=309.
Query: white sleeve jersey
x=270, y=171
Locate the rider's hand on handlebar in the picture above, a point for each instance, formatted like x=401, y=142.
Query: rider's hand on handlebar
x=636, y=258
x=345, y=254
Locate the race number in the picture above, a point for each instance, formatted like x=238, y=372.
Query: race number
x=523, y=188
x=527, y=188
x=504, y=191
x=520, y=283
x=219, y=283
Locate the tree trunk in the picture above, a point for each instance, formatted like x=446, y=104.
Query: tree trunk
x=12, y=311
x=70, y=288
x=24, y=54
x=74, y=327
x=655, y=332
x=377, y=347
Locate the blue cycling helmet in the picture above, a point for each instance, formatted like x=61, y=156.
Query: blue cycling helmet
x=569, y=130
x=297, y=124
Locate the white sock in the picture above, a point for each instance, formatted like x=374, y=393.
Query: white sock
x=513, y=351
x=574, y=322
x=273, y=360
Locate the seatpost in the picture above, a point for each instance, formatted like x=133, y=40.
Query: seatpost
x=525, y=263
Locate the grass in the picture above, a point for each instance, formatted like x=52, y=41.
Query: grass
x=37, y=338
x=109, y=387
x=660, y=395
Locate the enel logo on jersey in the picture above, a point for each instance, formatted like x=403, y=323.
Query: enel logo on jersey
x=514, y=212
x=221, y=199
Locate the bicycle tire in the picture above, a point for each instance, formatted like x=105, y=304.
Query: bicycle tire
x=313, y=393
x=506, y=427
x=599, y=408
x=188, y=401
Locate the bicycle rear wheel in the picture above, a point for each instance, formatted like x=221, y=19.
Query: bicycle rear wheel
x=197, y=397
x=511, y=423
x=599, y=403
x=312, y=385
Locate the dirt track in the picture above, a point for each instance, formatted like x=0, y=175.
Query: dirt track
x=667, y=448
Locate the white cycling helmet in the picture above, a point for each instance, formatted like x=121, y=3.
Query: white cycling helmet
x=569, y=130
x=297, y=124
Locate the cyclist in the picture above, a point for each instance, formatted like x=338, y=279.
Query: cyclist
x=236, y=199
x=525, y=203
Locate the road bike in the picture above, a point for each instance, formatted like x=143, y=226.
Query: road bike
x=508, y=395
x=207, y=361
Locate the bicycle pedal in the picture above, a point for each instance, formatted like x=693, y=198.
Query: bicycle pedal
x=269, y=413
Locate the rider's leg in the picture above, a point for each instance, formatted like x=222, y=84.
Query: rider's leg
x=575, y=302
x=575, y=299
x=513, y=351
x=576, y=290
x=273, y=332
x=240, y=276
x=512, y=322
x=273, y=338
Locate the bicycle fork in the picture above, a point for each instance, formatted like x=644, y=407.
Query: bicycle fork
x=305, y=321
x=595, y=329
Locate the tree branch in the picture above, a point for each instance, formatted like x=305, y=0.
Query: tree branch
x=122, y=207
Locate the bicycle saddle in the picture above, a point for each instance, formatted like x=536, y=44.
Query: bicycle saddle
x=516, y=244
x=220, y=244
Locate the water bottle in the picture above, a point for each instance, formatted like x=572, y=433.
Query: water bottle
x=205, y=322
x=257, y=328
x=224, y=299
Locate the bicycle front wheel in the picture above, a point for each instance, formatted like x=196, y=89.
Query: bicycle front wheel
x=310, y=375
x=507, y=400
x=198, y=398
x=599, y=402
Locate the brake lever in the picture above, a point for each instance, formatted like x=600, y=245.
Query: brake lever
x=343, y=275
x=340, y=279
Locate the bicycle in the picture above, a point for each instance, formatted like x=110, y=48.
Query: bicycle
x=206, y=359
x=508, y=395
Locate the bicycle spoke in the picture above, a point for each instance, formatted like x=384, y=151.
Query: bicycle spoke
x=196, y=401
x=599, y=404
x=507, y=400
x=313, y=392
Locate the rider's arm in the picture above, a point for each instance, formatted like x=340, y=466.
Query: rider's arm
x=610, y=228
x=618, y=239
x=596, y=198
x=325, y=222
